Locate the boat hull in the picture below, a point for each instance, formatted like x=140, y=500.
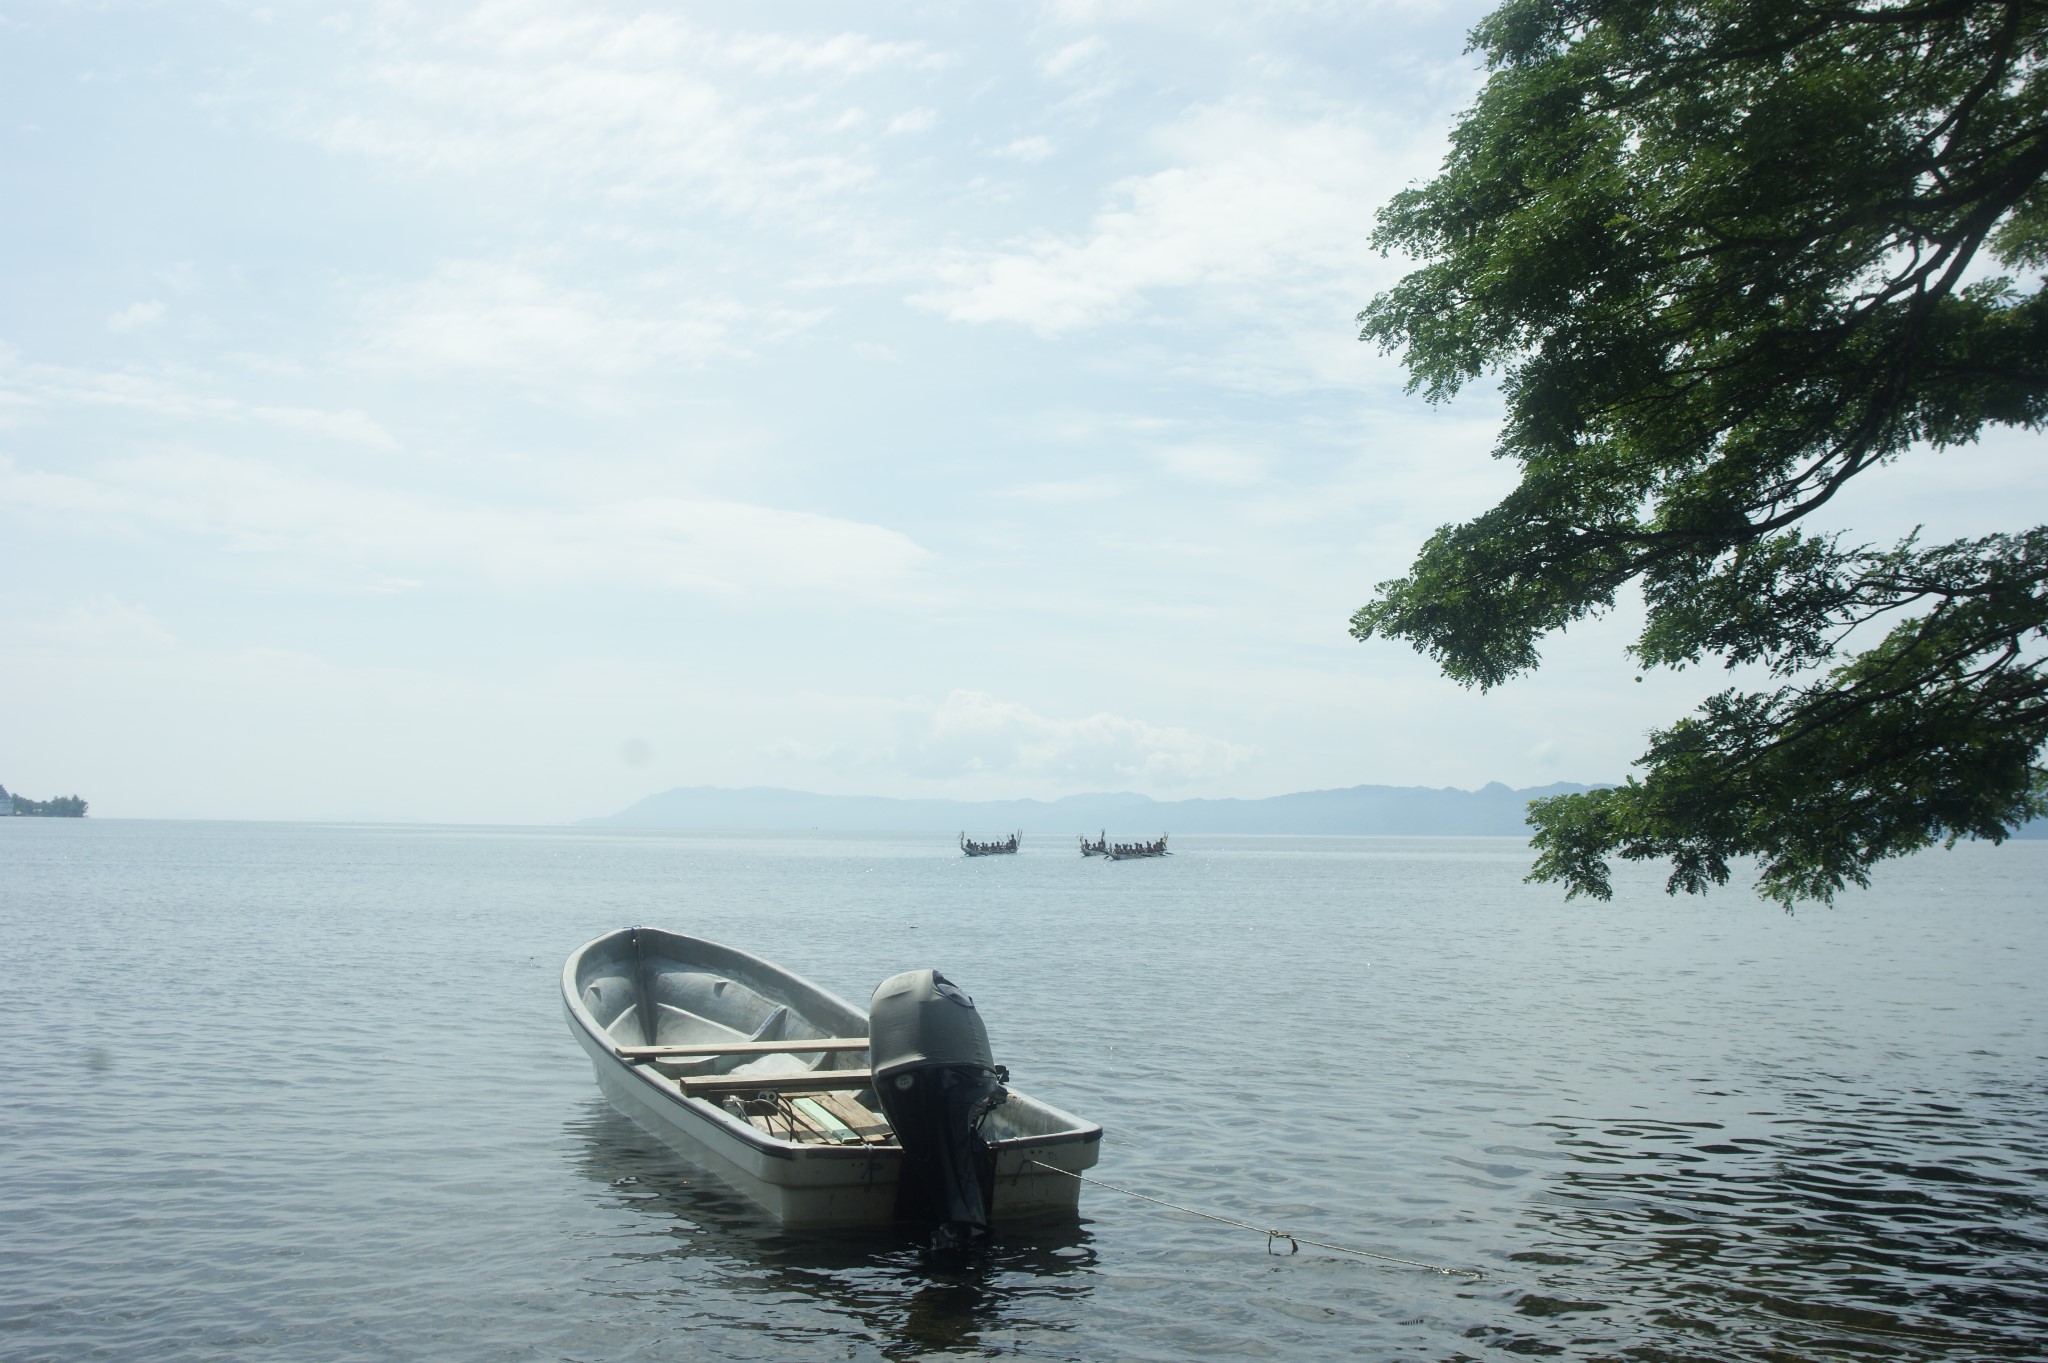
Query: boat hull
x=803, y=1184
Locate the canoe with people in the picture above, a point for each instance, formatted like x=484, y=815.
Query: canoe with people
x=1005, y=847
x=1125, y=851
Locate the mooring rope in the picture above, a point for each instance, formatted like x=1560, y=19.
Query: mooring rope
x=1273, y=1237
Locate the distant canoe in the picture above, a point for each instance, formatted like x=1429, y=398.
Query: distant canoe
x=1005, y=848
x=1127, y=851
x=1097, y=848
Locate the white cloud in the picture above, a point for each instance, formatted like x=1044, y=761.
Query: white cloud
x=573, y=99
x=971, y=733
x=181, y=277
x=1027, y=149
x=608, y=200
x=841, y=54
x=1211, y=464
x=507, y=319
x=136, y=316
x=1229, y=15
x=29, y=387
x=1072, y=490
x=1403, y=476
x=796, y=750
x=103, y=622
x=368, y=534
x=1073, y=55
x=1255, y=209
x=543, y=30
x=914, y=121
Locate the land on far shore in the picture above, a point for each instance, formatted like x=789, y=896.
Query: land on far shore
x=20, y=806
x=1492, y=810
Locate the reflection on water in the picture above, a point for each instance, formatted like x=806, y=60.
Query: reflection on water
x=1925, y=1222
x=683, y=1228
x=1668, y=1132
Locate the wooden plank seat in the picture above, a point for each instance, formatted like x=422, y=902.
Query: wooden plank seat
x=871, y=1127
x=813, y=1081
x=813, y=1119
x=808, y=1046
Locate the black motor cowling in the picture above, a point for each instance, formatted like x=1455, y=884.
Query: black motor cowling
x=937, y=1081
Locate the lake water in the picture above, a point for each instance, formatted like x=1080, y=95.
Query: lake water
x=296, y=1092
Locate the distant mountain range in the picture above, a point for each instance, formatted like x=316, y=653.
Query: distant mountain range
x=1411, y=810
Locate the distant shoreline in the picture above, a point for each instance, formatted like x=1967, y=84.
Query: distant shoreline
x=1493, y=810
x=21, y=807
x=1034, y=840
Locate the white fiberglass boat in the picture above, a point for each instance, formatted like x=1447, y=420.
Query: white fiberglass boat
x=775, y=1086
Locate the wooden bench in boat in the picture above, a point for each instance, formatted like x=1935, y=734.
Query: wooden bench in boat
x=811, y=1081
x=837, y=1119
x=812, y=1118
x=871, y=1127
x=806, y=1046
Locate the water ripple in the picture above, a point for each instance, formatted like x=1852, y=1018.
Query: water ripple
x=303, y=1093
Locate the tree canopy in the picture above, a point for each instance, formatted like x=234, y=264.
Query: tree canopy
x=1724, y=256
x=62, y=807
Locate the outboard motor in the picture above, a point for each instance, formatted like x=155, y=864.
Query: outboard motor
x=937, y=1081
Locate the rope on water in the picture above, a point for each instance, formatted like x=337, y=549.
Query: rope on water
x=1273, y=1237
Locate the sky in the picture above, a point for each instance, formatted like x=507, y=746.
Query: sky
x=499, y=413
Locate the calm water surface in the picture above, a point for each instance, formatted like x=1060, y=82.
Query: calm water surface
x=295, y=1092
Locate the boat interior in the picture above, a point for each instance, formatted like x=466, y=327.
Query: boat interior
x=691, y=1022
x=721, y=1026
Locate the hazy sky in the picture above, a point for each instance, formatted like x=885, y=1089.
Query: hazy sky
x=502, y=413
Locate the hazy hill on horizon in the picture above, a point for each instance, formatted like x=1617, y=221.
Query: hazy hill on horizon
x=1492, y=810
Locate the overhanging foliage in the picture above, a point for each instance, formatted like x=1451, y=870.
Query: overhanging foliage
x=1725, y=256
